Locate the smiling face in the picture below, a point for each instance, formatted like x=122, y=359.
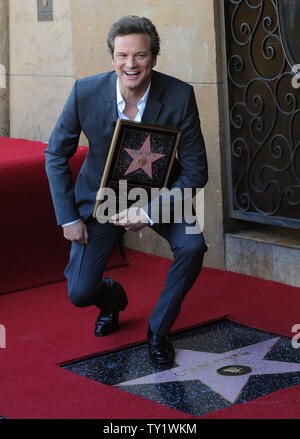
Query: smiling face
x=133, y=62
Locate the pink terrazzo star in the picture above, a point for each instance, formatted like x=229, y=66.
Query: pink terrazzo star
x=205, y=367
x=142, y=158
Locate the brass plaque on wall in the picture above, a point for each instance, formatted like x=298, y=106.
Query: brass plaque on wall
x=45, y=10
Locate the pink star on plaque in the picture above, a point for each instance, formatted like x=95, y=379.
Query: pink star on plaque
x=142, y=158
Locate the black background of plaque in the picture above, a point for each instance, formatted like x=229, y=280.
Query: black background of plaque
x=120, y=197
x=133, y=138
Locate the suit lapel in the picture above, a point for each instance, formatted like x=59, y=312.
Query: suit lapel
x=154, y=105
x=110, y=101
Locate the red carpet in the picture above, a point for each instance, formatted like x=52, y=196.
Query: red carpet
x=44, y=330
x=30, y=235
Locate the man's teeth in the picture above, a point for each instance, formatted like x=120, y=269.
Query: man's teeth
x=131, y=73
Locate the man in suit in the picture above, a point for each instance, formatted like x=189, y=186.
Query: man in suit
x=137, y=92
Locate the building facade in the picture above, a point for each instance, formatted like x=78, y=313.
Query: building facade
x=238, y=57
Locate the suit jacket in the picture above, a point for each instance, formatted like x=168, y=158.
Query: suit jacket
x=92, y=108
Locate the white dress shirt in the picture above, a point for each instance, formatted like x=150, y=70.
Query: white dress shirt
x=121, y=104
x=140, y=105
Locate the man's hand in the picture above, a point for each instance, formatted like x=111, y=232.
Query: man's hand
x=132, y=219
x=77, y=232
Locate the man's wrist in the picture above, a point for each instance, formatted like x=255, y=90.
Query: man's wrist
x=151, y=223
x=70, y=223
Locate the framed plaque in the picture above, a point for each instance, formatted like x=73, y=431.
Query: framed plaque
x=141, y=156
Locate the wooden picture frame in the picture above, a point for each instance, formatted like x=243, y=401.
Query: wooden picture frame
x=141, y=154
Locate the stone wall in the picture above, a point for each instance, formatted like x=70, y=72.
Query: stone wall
x=4, y=69
x=41, y=68
x=46, y=57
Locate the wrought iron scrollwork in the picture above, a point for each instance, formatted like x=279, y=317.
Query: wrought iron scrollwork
x=264, y=116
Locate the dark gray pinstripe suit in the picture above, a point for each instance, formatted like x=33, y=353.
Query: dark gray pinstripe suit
x=92, y=108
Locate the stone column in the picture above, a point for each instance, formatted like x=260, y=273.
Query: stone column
x=4, y=68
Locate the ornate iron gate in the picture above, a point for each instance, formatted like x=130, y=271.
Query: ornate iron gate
x=263, y=114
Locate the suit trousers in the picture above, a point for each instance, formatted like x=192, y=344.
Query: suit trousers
x=87, y=263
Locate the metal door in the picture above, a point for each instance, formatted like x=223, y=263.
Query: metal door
x=263, y=110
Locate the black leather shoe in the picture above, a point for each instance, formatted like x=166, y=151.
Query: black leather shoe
x=160, y=349
x=108, y=321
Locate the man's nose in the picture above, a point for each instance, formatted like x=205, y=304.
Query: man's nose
x=131, y=62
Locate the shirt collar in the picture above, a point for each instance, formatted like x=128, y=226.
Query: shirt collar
x=120, y=99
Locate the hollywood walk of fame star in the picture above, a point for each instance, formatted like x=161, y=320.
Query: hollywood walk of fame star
x=142, y=158
x=227, y=373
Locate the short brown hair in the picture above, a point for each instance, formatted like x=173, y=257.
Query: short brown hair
x=132, y=24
